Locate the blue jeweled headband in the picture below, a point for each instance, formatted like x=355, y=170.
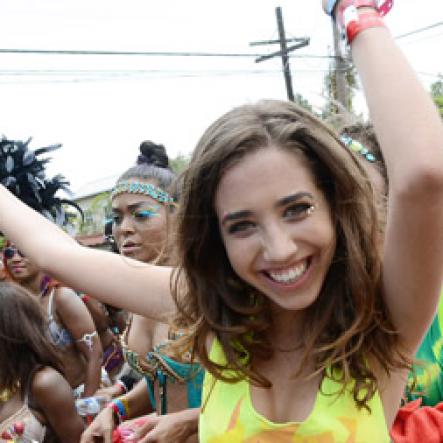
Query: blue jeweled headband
x=135, y=187
x=357, y=147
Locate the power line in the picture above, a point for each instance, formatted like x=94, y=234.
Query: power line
x=177, y=53
x=407, y=34
x=110, y=72
x=123, y=53
x=423, y=38
x=56, y=77
x=142, y=53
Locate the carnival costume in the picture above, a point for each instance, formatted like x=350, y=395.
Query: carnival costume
x=23, y=173
x=428, y=384
x=159, y=367
x=228, y=415
x=60, y=336
x=23, y=425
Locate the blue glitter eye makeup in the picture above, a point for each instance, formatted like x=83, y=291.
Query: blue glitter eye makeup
x=146, y=213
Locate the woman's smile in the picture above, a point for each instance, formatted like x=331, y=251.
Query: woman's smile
x=276, y=226
x=290, y=275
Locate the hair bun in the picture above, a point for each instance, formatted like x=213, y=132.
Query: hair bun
x=153, y=154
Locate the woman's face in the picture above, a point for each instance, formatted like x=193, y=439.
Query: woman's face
x=276, y=226
x=139, y=225
x=21, y=269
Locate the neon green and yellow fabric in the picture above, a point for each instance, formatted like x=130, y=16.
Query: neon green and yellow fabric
x=429, y=384
x=228, y=416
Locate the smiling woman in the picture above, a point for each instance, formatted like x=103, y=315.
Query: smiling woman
x=306, y=328
x=279, y=240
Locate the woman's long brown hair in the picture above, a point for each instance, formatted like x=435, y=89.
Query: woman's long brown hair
x=349, y=322
x=24, y=343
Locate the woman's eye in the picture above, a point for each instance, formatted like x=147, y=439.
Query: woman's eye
x=241, y=227
x=145, y=213
x=299, y=210
x=116, y=219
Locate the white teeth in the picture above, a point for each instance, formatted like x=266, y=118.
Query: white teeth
x=289, y=275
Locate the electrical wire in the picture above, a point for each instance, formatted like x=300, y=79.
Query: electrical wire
x=56, y=76
x=142, y=53
x=407, y=34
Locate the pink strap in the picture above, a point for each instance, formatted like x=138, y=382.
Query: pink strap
x=385, y=7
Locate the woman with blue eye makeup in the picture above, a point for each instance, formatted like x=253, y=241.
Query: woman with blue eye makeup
x=140, y=225
x=142, y=217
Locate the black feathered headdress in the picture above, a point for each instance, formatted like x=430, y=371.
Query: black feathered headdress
x=22, y=171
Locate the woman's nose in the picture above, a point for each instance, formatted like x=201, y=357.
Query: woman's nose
x=278, y=245
x=126, y=225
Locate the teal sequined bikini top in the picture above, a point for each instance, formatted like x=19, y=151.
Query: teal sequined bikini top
x=158, y=367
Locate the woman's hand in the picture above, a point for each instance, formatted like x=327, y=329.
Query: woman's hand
x=176, y=427
x=109, y=393
x=101, y=428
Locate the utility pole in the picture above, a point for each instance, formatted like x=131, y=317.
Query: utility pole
x=340, y=68
x=284, y=54
x=284, y=51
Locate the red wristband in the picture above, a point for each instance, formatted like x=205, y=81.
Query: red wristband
x=345, y=4
x=364, y=21
x=381, y=8
x=116, y=411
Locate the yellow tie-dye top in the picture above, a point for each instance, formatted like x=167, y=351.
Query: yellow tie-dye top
x=228, y=416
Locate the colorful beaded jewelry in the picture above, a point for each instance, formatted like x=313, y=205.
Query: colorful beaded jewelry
x=115, y=411
x=358, y=148
x=135, y=187
x=122, y=407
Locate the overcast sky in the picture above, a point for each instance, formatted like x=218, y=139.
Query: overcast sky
x=102, y=107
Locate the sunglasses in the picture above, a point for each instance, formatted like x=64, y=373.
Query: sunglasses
x=9, y=252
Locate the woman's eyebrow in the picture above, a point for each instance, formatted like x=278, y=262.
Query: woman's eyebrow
x=293, y=198
x=232, y=216
x=132, y=206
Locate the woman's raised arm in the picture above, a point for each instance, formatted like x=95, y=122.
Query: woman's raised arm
x=410, y=133
x=111, y=278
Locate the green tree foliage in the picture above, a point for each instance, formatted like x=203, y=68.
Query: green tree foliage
x=439, y=102
x=330, y=91
x=437, y=93
x=303, y=102
x=95, y=215
x=179, y=163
